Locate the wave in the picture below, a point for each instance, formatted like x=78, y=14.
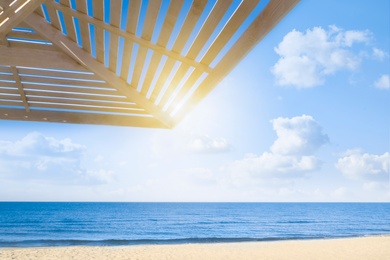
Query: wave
x=126, y=242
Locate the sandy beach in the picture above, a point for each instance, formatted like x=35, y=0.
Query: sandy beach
x=349, y=248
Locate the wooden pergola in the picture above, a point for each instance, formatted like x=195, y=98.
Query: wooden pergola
x=122, y=62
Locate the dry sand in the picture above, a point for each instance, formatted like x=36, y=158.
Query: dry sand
x=351, y=248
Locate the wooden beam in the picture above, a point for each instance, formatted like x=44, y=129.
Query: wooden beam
x=71, y=48
x=99, y=24
x=260, y=27
x=13, y=56
x=77, y=117
x=19, y=84
x=16, y=13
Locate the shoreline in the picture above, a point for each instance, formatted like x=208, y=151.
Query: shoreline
x=370, y=247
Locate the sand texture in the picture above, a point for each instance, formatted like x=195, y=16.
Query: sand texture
x=352, y=248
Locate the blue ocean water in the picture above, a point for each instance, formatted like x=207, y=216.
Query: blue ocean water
x=60, y=224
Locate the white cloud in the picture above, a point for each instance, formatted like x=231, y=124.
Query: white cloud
x=206, y=144
x=292, y=153
x=37, y=157
x=297, y=136
x=307, y=57
x=372, y=169
x=379, y=54
x=383, y=82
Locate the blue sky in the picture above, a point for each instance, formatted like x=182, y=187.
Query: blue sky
x=304, y=117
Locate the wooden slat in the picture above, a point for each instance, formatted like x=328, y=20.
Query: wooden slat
x=84, y=27
x=132, y=22
x=68, y=20
x=209, y=26
x=228, y=31
x=7, y=77
x=115, y=11
x=63, y=74
x=16, y=13
x=55, y=81
x=149, y=24
x=7, y=84
x=72, y=49
x=84, y=102
x=71, y=94
x=85, y=108
x=113, y=93
x=219, y=10
x=192, y=17
x=32, y=46
x=19, y=85
x=54, y=20
x=10, y=103
x=131, y=38
x=12, y=56
x=5, y=69
x=25, y=35
x=261, y=26
x=99, y=32
x=9, y=91
x=10, y=98
x=166, y=31
x=79, y=118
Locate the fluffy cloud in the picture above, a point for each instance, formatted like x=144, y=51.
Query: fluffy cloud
x=206, y=144
x=307, y=57
x=372, y=169
x=379, y=54
x=37, y=157
x=383, y=82
x=297, y=136
x=292, y=153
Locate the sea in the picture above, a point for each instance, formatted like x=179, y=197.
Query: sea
x=31, y=224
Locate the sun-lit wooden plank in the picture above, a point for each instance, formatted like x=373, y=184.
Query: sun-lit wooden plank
x=30, y=91
x=38, y=58
x=53, y=16
x=166, y=31
x=24, y=35
x=85, y=102
x=259, y=28
x=68, y=20
x=84, y=27
x=132, y=22
x=208, y=28
x=130, y=38
x=115, y=11
x=78, y=118
x=32, y=46
x=72, y=49
x=226, y=34
x=16, y=13
x=148, y=28
x=92, y=108
x=229, y=30
x=99, y=32
x=87, y=92
x=80, y=75
x=193, y=15
x=61, y=81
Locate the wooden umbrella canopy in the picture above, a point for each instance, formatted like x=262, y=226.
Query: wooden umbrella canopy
x=122, y=62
